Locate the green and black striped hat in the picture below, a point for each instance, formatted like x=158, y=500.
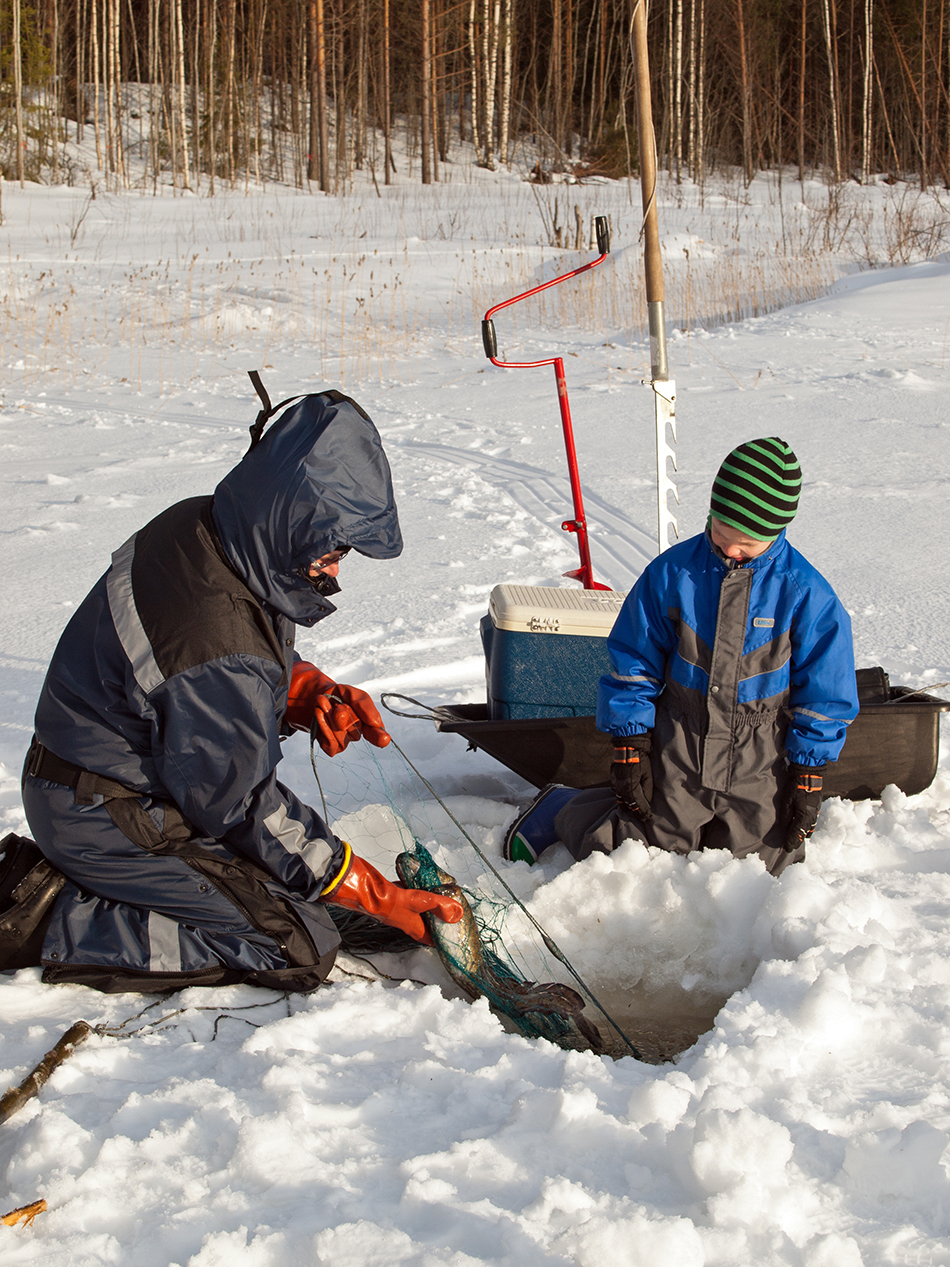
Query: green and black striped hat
x=757, y=488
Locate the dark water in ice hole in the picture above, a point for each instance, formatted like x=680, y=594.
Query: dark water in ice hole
x=661, y=1024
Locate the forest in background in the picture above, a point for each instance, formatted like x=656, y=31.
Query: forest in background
x=198, y=92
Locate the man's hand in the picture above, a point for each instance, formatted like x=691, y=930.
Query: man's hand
x=336, y=714
x=631, y=775
x=360, y=887
x=801, y=801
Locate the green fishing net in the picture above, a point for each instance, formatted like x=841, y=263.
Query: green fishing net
x=474, y=954
x=375, y=801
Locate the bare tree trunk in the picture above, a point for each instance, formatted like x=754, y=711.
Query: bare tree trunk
x=153, y=77
x=313, y=144
x=941, y=88
x=476, y=98
x=57, y=94
x=868, y=88
x=441, y=61
x=924, y=149
x=801, y=94
x=691, y=73
x=746, y=97
x=299, y=95
x=555, y=88
x=180, y=93
x=212, y=92
x=832, y=90
x=168, y=96
x=895, y=171
x=115, y=92
x=340, y=163
x=321, y=85
x=362, y=59
x=433, y=88
x=95, y=76
x=81, y=103
x=490, y=71
x=494, y=123
x=426, y=87
x=699, y=172
x=257, y=81
x=196, y=93
x=387, y=105
x=277, y=79
x=678, y=90
x=319, y=167
x=568, y=72
x=229, y=91
x=597, y=113
x=508, y=50
x=18, y=89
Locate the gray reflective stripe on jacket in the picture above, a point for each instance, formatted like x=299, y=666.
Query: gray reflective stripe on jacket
x=128, y=623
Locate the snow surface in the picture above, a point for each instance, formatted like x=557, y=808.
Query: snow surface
x=380, y=1122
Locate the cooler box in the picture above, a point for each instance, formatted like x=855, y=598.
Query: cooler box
x=546, y=649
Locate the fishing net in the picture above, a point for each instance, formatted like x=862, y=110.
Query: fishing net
x=475, y=956
x=377, y=802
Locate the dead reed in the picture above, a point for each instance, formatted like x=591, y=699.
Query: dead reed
x=157, y=291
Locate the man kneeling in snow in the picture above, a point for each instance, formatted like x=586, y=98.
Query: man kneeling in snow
x=732, y=686
x=151, y=783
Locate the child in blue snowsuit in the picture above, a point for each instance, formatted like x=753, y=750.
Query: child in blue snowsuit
x=732, y=684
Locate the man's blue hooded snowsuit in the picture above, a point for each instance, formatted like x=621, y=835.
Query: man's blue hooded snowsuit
x=153, y=784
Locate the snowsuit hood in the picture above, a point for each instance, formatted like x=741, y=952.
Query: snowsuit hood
x=317, y=481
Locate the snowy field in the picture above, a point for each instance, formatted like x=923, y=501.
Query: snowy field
x=382, y=1123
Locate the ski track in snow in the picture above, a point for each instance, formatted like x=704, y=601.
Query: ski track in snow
x=545, y=496
x=382, y=1123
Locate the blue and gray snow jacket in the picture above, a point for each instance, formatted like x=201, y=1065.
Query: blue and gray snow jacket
x=172, y=675
x=730, y=647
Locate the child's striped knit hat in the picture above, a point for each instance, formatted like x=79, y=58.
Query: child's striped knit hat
x=757, y=488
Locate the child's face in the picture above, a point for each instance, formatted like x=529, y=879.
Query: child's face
x=735, y=544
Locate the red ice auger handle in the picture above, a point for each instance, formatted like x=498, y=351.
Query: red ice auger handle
x=578, y=524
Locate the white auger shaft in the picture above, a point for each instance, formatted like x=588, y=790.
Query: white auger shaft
x=664, y=397
x=664, y=389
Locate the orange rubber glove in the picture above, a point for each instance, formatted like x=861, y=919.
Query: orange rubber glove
x=341, y=714
x=360, y=887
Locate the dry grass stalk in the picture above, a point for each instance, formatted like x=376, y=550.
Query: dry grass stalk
x=24, y=1214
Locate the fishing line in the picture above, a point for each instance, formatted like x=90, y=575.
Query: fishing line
x=120, y=1030
x=313, y=762
x=17, y=1097
x=548, y=941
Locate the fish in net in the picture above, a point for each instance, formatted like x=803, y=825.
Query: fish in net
x=394, y=819
x=474, y=957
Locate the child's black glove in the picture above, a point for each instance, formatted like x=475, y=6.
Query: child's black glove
x=631, y=775
x=801, y=801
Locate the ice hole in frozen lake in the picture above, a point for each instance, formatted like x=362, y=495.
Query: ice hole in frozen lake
x=663, y=941
x=661, y=1023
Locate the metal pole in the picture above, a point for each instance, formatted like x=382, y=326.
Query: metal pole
x=585, y=573
x=664, y=389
